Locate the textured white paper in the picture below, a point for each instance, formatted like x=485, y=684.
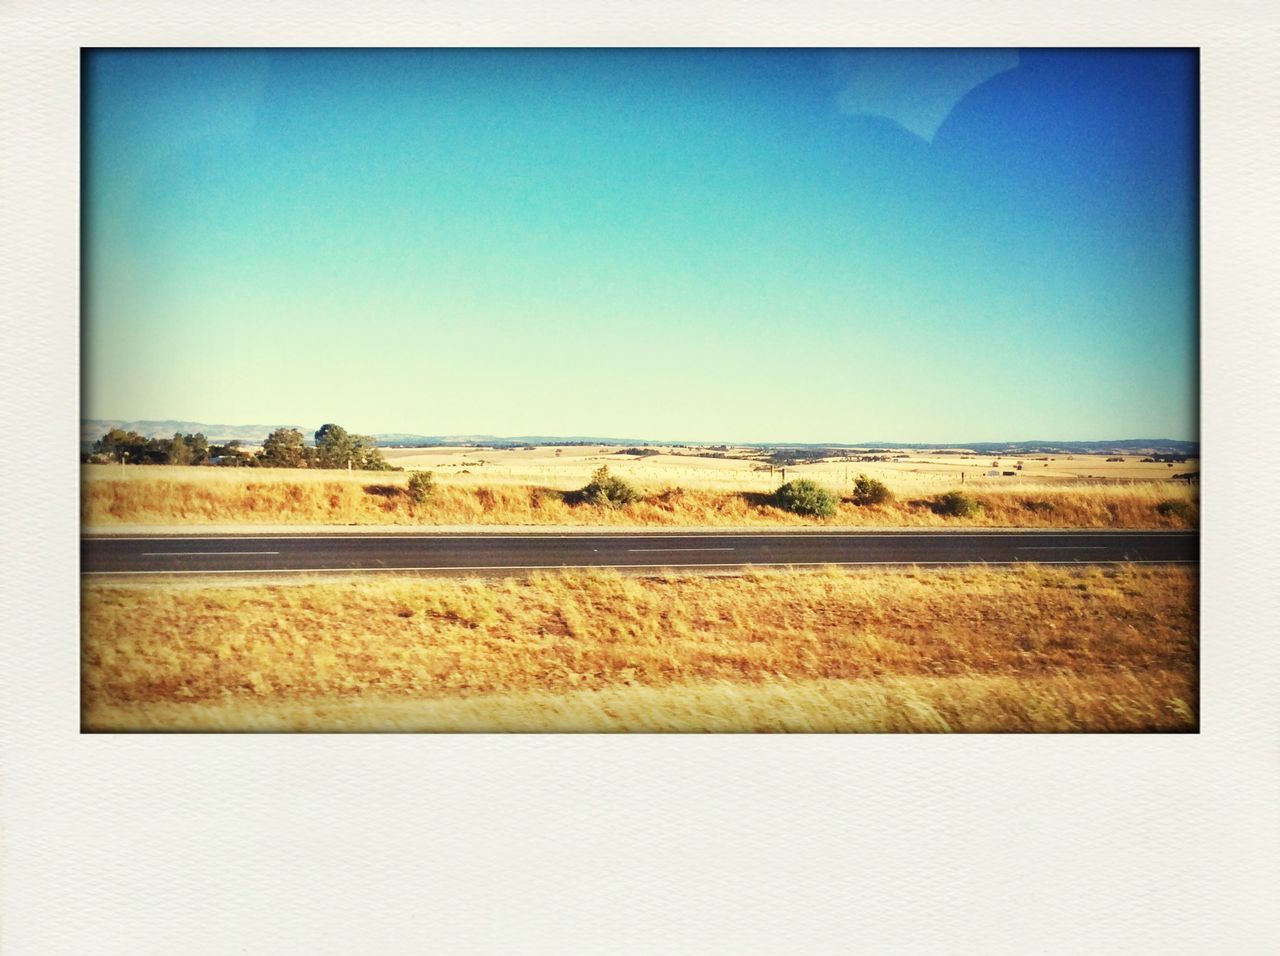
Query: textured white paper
x=816, y=844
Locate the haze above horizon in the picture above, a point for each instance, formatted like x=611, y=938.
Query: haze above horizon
x=759, y=245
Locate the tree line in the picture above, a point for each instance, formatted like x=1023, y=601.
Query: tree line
x=333, y=447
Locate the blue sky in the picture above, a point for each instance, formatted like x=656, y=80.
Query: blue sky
x=720, y=245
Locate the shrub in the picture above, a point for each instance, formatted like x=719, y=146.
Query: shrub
x=957, y=505
x=868, y=491
x=805, y=497
x=1175, y=509
x=608, y=490
x=421, y=485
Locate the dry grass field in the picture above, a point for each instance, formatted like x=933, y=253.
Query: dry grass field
x=911, y=473
x=679, y=492
x=1026, y=649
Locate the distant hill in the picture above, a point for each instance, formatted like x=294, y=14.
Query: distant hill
x=512, y=441
x=1125, y=446
x=92, y=430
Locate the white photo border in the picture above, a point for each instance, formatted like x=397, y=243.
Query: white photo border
x=636, y=844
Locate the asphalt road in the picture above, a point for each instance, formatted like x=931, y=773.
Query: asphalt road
x=491, y=554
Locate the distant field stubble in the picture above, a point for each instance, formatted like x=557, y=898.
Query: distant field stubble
x=112, y=495
x=1026, y=649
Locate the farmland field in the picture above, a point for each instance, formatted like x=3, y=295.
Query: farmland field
x=910, y=471
x=529, y=487
x=1026, y=649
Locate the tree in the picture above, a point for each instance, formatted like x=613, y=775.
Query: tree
x=335, y=448
x=199, y=446
x=283, y=448
x=121, y=445
x=178, y=452
x=367, y=455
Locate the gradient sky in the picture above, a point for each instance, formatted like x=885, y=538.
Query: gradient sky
x=705, y=245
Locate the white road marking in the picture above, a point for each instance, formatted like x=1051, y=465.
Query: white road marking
x=638, y=550
x=170, y=554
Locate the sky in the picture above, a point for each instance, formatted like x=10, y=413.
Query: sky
x=687, y=245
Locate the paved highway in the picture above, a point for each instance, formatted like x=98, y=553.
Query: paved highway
x=494, y=554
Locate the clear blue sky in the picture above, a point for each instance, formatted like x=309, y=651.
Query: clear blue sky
x=707, y=245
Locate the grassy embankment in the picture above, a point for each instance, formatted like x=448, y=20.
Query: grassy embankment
x=1026, y=649
x=214, y=496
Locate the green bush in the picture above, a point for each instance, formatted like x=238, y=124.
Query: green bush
x=805, y=497
x=608, y=490
x=1175, y=509
x=421, y=485
x=957, y=504
x=868, y=491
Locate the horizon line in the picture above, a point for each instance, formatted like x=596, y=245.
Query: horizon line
x=602, y=439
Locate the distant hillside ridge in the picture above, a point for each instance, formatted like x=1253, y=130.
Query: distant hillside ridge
x=1126, y=446
x=93, y=429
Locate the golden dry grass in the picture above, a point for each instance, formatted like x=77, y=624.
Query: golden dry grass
x=205, y=496
x=911, y=472
x=1025, y=649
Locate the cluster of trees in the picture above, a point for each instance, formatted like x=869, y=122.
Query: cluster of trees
x=334, y=447
x=795, y=456
x=119, y=445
